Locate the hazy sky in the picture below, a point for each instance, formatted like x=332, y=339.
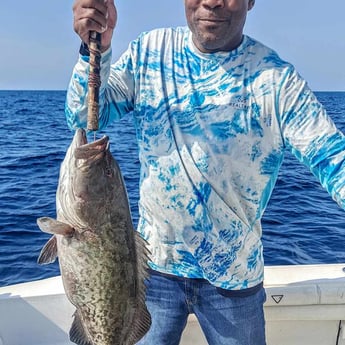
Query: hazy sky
x=39, y=47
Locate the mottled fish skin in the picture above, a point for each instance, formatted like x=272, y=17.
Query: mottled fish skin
x=102, y=259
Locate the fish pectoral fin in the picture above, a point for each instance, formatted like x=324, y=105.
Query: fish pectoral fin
x=55, y=227
x=49, y=252
x=78, y=333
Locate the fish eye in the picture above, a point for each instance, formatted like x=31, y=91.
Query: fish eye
x=109, y=171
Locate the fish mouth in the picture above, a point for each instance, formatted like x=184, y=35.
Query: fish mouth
x=85, y=150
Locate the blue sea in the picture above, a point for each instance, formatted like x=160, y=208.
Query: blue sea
x=302, y=224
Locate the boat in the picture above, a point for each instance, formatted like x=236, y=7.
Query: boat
x=305, y=306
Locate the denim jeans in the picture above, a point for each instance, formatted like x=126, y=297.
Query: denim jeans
x=224, y=320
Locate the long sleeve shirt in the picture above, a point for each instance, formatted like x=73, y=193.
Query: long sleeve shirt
x=211, y=131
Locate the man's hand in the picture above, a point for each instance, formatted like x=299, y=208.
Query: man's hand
x=95, y=15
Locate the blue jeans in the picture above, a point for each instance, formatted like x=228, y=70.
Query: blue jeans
x=224, y=320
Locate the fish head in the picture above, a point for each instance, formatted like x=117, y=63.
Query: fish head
x=90, y=181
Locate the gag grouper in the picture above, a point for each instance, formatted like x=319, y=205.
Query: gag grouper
x=102, y=259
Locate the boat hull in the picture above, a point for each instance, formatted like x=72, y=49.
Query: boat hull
x=305, y=306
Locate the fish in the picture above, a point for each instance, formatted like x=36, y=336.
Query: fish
x=102, y=259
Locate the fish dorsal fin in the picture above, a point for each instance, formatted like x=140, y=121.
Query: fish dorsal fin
x=142, y=317
x=142, y=257
x=77, y=333
x=55, y=227
x=49, y=252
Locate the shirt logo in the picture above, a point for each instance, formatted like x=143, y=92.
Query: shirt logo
x=240, y=103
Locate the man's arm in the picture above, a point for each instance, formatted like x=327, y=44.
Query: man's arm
x=312, y=136
x=116, y=89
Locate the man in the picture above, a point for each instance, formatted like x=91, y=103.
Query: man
x=214, y=111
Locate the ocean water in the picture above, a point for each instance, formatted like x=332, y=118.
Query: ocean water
x=302, y=224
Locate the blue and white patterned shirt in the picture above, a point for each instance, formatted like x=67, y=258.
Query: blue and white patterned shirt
x=212, y=130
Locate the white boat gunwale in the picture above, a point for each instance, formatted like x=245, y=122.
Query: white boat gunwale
x=305, y=305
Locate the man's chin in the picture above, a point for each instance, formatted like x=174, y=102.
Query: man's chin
x=210, y=45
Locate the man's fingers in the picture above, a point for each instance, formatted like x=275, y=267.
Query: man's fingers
x=84, y=26
x=100, y=6
x=94, y=15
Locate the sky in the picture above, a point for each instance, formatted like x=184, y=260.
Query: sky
x=39, y=47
